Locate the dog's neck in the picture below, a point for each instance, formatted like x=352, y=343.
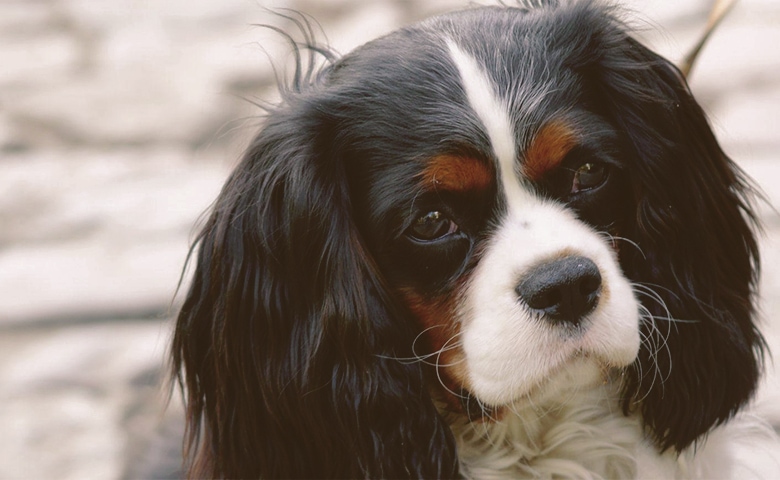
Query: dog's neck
x=573, y=427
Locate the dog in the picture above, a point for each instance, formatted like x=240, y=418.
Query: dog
x=500, y=243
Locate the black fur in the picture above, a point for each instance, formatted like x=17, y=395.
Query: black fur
x=701, y=357
x=287, y=334
x=285, y=342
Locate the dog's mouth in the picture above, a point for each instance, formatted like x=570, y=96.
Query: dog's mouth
x=580, y=370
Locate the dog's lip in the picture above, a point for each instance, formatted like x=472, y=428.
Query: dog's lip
x=586, y=347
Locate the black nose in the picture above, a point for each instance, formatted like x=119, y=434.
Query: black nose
x=562, y=290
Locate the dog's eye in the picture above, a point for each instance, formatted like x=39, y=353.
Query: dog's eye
x=589, y=175
x=432, y=226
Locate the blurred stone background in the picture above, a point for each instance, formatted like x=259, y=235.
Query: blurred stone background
x=120, y=119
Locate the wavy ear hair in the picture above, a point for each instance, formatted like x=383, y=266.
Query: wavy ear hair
x=696, y=259
x=285, y=342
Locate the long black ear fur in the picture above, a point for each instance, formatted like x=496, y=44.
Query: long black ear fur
x=286, y=339
x=697, y=259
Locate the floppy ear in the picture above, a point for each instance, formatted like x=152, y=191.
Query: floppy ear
x=286, y=341
x=696, y=261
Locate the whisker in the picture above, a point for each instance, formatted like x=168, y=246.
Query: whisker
x=438, y=369
x=422, y=358
x=652, y=339
x=648, y=292
x=616, y=238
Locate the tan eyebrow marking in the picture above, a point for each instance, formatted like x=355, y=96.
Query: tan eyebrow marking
x=548, y=149
x=457, y=173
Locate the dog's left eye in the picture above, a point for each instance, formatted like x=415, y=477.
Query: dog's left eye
x=588, y=176
x=432, y=226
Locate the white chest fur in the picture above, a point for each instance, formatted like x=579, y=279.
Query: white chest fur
x=584, y=435
x=581, y=432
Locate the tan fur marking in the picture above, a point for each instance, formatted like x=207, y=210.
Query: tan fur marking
x=462, y=174
x=548, y=149
x=439, y=343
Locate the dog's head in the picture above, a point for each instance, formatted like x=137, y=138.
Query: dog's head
x=467, y=209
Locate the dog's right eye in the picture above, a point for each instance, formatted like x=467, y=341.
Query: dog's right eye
x=431, y=226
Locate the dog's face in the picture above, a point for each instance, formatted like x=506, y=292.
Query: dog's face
x=483, y=205
x=496, y=222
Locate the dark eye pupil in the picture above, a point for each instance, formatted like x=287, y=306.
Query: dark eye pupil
x=430, y=226
x=589, y=175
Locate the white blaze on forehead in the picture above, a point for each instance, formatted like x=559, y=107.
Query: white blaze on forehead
x=492, y=112
x=510, y=350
